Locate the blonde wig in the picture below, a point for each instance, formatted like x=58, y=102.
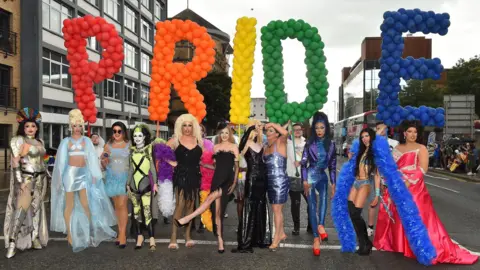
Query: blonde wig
x=75, y=117
x=177, y=132
x=255, y=122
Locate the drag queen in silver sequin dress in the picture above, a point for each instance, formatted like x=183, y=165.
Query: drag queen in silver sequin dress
x=275, y=158
x=25, y=218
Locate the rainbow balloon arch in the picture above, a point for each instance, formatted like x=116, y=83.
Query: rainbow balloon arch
x=183, y=77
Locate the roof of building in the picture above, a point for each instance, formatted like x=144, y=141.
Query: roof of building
x=188, y=14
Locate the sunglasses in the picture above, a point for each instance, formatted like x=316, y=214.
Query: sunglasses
x=117, y=131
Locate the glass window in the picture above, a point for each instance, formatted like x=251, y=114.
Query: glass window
x=55, y=69
x=145, y=68
x=130, y=19
x=158, y=9
x=46, y=135
x=111, y=88
x=53, y=14
x=146, y=31
x=111, y=7
x=131, y=54
x=56, y=135
x=146, y=3
x=145, y=96
x=130, y=91
x=93, y=2
x=46, y=71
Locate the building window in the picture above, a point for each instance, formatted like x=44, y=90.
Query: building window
x=131, y=54
x=55, y=69
x=146, y=3
x=145, y=96
x=112, y=8
x=111, y=88
x=146, y=31
x=53, y=14
x=158, y=9
x=93, y=2
x=146, y=64
x=130, y=19
x=130, y=91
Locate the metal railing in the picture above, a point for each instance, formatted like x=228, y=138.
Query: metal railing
x=8, y=42
x=8, y=96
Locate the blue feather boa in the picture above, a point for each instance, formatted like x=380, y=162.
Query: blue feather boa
x=415, y=230
x=340, y=215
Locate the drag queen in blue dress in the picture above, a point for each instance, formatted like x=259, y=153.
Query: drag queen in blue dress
x=80, y=207
x=318, y=155
x=275, y=158
x=115, y=160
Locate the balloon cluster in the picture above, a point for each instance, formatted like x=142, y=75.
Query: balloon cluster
x=85, y=73
x=183, y=76
x=278, y=110
x=394, y=67
x=243, y=51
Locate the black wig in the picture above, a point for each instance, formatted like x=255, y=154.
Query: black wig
x=409, y=124
x=320, y=117
x=369, y=159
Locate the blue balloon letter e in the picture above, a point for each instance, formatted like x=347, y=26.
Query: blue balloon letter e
x=394, y=67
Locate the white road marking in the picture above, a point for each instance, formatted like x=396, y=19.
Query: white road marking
x=436, y=177
x=232, y=243
x=452, y=190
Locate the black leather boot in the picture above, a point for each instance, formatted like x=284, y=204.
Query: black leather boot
x=364, y=243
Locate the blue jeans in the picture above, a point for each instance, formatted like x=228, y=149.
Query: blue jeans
x=318, y=180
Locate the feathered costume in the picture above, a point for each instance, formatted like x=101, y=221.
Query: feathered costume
x=415, y=230
x=84, y=232
x=163, y=153
x=207, y=175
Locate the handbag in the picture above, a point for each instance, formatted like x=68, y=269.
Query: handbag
x=296, y=184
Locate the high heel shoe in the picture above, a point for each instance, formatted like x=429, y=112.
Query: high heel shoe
x=141, y=244
x=221, y=251
x=117, y=243
x=324, y=237
x=178, y=224
x=274, y=248
x=316, y=251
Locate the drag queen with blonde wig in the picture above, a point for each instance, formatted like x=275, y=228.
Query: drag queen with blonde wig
x=25, y=217
x=187, y=143
x=80, y=207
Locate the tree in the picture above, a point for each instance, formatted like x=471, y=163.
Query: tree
x=425, y=92
x=464, y=78
x=215, y=89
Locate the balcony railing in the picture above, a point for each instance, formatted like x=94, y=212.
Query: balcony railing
x=8, y=42
x=8, y=96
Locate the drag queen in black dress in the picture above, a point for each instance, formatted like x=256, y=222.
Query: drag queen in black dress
x=254, y=229
x=187, y=143
x=223, y=182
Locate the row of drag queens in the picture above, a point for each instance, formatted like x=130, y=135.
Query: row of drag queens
x=166, y=177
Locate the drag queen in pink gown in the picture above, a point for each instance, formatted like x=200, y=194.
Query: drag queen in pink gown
x=412, y=161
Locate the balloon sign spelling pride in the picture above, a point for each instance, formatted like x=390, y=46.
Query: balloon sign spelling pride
x=183, y=76
x=85, y=73
x=393, y=67
x=243, y=51
x=278, y=110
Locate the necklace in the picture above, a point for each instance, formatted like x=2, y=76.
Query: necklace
x=115, y=142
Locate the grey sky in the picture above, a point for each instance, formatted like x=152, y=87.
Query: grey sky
x=342, y=24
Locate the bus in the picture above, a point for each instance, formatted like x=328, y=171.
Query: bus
x=349, y=129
